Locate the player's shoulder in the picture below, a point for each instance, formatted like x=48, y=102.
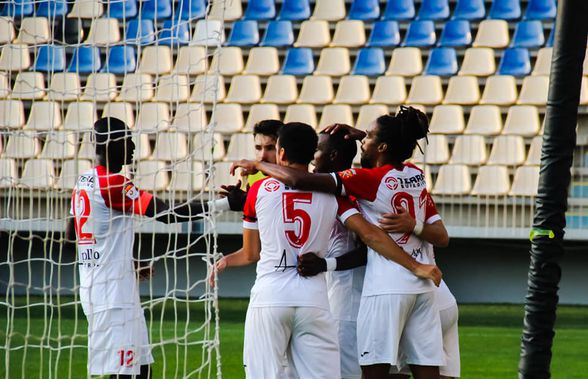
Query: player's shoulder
x=109, y=177
x=412, y=166
x=267, y=184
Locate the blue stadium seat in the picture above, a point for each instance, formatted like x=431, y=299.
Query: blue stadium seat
x=434, y=10
x=384, y=34
x=370, y=61
x=278, y=34
x=540, y=10
x=298, y=61
x=191, y=10
x=528, y=34
x=294, y=10
x=50, y=58
x=85, y=60
x=174, y=32
x=505, y=10
x=471, y=10
x=549, y=42
x=515, y=61
x=122, y=9
x=364, y=10
x=244, y=33
x=442, y=62
x=156, y=9
x=456, y=33
x=140, y=32
x=260, y=10
x=399, y=10
x=52, y=8
x=420, y=33
x=18, y=8
x=121, y=60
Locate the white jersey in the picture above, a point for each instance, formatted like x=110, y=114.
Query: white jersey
x=444, y=298
x=290, y=223
x=102, y=205
x=383, y=190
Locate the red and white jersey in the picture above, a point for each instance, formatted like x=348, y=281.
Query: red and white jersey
x=290, y=223
x=103, y=204
x=383, y=190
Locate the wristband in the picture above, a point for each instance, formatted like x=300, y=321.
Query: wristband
x=331, y=264
x=219, y=204
x=418, y=228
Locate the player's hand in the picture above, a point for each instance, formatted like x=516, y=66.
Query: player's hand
x=221, y=265
x=310, y=264
x=431, y=272
x=248, y=167
x=401, y=222
x=235, y=195
x=144, y=272
x=350, y=132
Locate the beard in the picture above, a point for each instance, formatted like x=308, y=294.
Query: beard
x=366, y=162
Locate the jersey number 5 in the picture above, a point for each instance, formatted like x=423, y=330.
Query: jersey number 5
x=298, y=217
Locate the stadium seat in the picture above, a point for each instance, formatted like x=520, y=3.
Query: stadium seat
x=157, y=10
x=280, y=89
x=151, y=175
x=298, y=61
x=313, y=33
x=120, y=60
x=353, y=89
x=390, y=90
x=525, y=181
x=333, y=61
x=227, y=119
x=142, y=146
x=469, y=150
x=52, y=8
x=122, y=9
x=34, y=31
x=492, y=33
x=227, y=61
x=462, y=90
x=244, y=89
x=425, y=90
x=543, y=62
x=187, y=176
x=528, y=34
x=508, y=151
x=38, y=174
x=540, y=10
x=471, y=10
x=104, y=32
x=434, y=10
x=173, y=88
x=4, y=85
x=29, y=86
x=64, y=86
x=136, y=87
x=24, y=145
x=505, y=10
x=453, y=180
x=442, y=62
x=400, y=10
x=208, y=89
x=259, y=112
x=44, y=116
x=436, y=151
x=369, y=113
x=50, y=58
x=15, y=57
x=170, y=146
x=336, y=114
x=456, y=33
x=260, y=10
x=60, y=146
x=349, y=33
x=208, y=33
x=522, y=120
x=384, y=34
x=420, y=33
x=406, y=61
x=68, y=31
x=364, y=10
x=85, y=60
x=370, y=61
x=301, y=113
x=8, y=173
x=316, y=89
x=121, y=110
x=534, y=156
x=294, y=10
x=156, y=60
x=262, y=61
x=241, y=146
x=86, y=9
x=70, y=172
x=190, y=10
x=534, y=90
x=244, y=33
x=332, y=10
x=87, y=149
x=484, y=120
x=500, y=90
x=491, y=181
x=515, y=61
x=551, y=37
x=174, y=33
x=190, y=118
x=278, y=34
x=18, y=8
x=478, y=61
x=225, y=10
x=7, y=33
x=221, y=176
x=100, y=87
x=80, y=116
x=447, y=119
x=205, y=149
x=191, y=60
x=12, y=114
x=140, y=32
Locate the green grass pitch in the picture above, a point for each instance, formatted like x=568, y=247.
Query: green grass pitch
x=489, y=338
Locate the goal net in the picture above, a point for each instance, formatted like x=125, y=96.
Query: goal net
x=64, y=64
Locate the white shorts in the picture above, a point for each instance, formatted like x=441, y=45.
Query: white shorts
x=388, y=324
x=306, y=335
x=350, y=368
x=118, y=342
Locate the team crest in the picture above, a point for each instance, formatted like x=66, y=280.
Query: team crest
x=347, y=173
x=391, y=183
x=271, y=185
x=131, y=192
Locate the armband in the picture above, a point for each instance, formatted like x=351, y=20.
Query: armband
x=331, y=264
x=418, y=228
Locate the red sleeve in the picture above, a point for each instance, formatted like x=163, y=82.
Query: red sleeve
x=431, y=214
x=249, y=212
x=345, y=209
x=362, y=183
x=120, y=194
